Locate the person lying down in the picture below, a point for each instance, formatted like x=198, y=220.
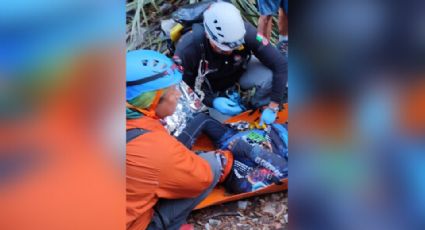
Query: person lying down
x=259, y=157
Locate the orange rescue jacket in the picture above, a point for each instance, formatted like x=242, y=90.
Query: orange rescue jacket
x=158, y=166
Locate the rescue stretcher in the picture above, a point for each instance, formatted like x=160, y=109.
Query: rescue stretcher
x=219, y=194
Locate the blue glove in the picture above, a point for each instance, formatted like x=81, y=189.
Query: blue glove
x=234, y=96
x=268, y=116
x=226, y=106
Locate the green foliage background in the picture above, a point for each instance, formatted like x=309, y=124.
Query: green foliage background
x=144, y=17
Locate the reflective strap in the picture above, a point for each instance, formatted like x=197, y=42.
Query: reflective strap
x=154, y=77
x=145, y=80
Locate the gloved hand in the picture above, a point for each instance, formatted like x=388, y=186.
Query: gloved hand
x=226, y=106
x=268, y=116
x=234, y=96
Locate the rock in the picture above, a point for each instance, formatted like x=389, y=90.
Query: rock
x=226, y=226
x=242, y=226
x=242, y=204
x=241, y=218
x=282, y=209
x=214, y=222
x=275, y=197
x=264, y=219
x=165, y=8
x=278, y=226
x=268, y=208
x=285, y=208
x=261, y=212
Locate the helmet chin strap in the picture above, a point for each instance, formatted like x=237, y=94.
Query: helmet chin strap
x=150, y=112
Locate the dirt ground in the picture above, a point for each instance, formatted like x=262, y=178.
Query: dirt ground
x=266, y=212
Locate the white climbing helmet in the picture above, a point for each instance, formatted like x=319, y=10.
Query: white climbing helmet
x=224, y=26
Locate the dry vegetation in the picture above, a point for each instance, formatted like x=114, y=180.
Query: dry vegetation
x=144, y=19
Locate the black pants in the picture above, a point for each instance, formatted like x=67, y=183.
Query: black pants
x=202, y=123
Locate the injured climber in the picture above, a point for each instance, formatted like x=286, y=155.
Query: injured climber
x=259, y=156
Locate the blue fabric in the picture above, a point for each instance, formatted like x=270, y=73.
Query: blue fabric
x=226, y=106
x=255, y=164
x=247, y=179
x=283, y=132
x=279, y=137
x=268, y=116
x=254, y=168
x=284, y=6
x=269, y=7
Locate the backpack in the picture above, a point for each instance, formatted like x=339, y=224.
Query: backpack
x=184, y=18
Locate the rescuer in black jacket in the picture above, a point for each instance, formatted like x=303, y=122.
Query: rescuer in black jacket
x=217, y=62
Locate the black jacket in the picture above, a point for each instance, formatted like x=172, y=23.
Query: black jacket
x=229, y=68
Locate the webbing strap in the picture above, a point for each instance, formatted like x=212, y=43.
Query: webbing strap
x=133, y=133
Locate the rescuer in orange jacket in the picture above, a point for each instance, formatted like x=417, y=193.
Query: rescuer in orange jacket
x=165, y=180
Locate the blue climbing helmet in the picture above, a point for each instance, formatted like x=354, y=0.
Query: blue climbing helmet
x=149, y=70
